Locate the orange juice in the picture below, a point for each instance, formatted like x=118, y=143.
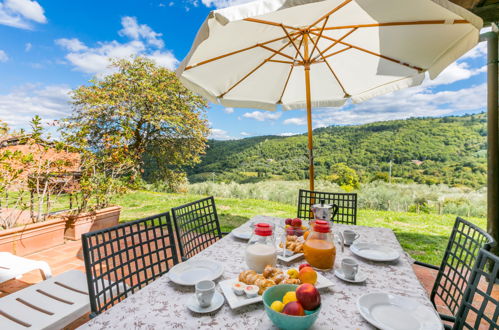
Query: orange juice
x=319, y=253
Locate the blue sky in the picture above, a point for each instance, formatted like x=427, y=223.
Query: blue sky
x=49, y=47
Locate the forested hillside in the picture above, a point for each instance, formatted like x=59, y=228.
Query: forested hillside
x=450, y=150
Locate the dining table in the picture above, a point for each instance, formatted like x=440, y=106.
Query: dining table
x=162, y=304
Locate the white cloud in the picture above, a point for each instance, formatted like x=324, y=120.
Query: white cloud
x=20, y=13
x=287, y=134
x=3, y=56
x=20, y=105
x=137, y=31
x=220, y=3
x=228, y=110
x=262, y=115
x=479, y=50
x=28, y=46
x=219, y=134
x=245, y=134
x=455, y=72
x=72, y=44
x=96, y=60
x=295, y=121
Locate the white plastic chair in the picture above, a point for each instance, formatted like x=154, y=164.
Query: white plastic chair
x=12, y=266
x=51, y=304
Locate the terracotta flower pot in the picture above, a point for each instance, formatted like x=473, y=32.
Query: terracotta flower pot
x=31, y=238
x=91, y=221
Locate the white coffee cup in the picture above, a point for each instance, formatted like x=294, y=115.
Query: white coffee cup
x=350, y=236
x=350, y=268
x=204, y=292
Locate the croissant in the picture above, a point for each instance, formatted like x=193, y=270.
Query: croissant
x=291, y=281
x=253, y=278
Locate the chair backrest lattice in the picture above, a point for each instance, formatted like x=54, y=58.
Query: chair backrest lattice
x=197, y=226
x=480, y=307
x=125, y=258
x=346, y=202
x=462, y=251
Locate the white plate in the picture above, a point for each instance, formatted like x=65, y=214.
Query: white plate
x=291, y=258
x=193, y=271
x=216, y=303
x=239, y=301
x=359, y=277
x=375, y=252
x=390, y=312
x=241, y=233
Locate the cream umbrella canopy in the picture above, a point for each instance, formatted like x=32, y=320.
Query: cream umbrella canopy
x=299, y=54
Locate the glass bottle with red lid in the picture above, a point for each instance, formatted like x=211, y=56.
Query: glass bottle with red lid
x=319, y=248
x=261, y=249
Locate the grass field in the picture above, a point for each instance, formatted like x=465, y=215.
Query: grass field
x=423, y=236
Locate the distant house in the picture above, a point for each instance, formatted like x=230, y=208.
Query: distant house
x=59, y=164
x=417, y=162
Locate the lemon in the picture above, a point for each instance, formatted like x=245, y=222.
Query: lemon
x=289, y=297
x=293, y=273
x=277, y=306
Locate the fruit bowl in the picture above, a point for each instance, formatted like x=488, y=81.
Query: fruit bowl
x=284, y=321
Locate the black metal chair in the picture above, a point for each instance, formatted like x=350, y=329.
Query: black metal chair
x=346, y=202
x=460, y=256
x=479, y=309
x=123, y=259
x=197, y=226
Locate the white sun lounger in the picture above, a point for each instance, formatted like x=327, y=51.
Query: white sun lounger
x=12, y=266
x=51, y=304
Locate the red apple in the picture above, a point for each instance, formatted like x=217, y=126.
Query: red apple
x=294, y=308
x=308, y=296
x=288, y=221
x=303, y=265
x=290, y=231
x=299, y=232
x=296, y=222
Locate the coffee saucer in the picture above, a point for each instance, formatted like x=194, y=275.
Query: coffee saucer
x=216, y=303
x=359, y=277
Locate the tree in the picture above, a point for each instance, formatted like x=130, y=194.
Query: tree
x=141, y=112
x=344, y=176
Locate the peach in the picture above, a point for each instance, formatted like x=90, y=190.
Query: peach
x=308, y=275
x=308, y=296
x=294, y=308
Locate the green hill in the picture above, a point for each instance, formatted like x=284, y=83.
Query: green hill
x=450, y=150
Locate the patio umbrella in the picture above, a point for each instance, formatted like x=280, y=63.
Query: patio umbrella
x=310, y=53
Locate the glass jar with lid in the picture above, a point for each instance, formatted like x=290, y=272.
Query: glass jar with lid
x=319, y=248
x=261, y=249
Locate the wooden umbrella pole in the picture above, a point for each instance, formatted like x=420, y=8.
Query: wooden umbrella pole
x=309, y=111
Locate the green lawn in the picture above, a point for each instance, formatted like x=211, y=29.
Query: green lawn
x=423, y=236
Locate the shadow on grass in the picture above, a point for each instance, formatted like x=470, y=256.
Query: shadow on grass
x=423, y=247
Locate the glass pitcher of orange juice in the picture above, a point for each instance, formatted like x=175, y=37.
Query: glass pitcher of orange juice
x=319, y=248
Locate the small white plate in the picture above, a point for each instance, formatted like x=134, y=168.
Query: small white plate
x=359, y=277
x=239, y=301
x=193, y=271
x=290, y=258
x=374, y=252
x=216, y=303
x=390, y=312
x=241, y=233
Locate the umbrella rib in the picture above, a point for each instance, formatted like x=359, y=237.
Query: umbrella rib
x=261, y=21
x=337, y=52
x=318, y=38
x=292, y=41
x=334, y=74
x=341, y=5
x=236, y=52
x=429, y=22
x=276, y=52
x=254, y=69
x=284, y=62
x=373, y=53
x=335, y=43
x=289, y=75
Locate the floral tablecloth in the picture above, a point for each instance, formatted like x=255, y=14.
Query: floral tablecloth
x=161, y=305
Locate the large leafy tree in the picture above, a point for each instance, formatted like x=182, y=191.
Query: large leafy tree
x=143, y=111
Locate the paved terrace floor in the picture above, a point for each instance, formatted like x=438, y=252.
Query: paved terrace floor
x=69, y=256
